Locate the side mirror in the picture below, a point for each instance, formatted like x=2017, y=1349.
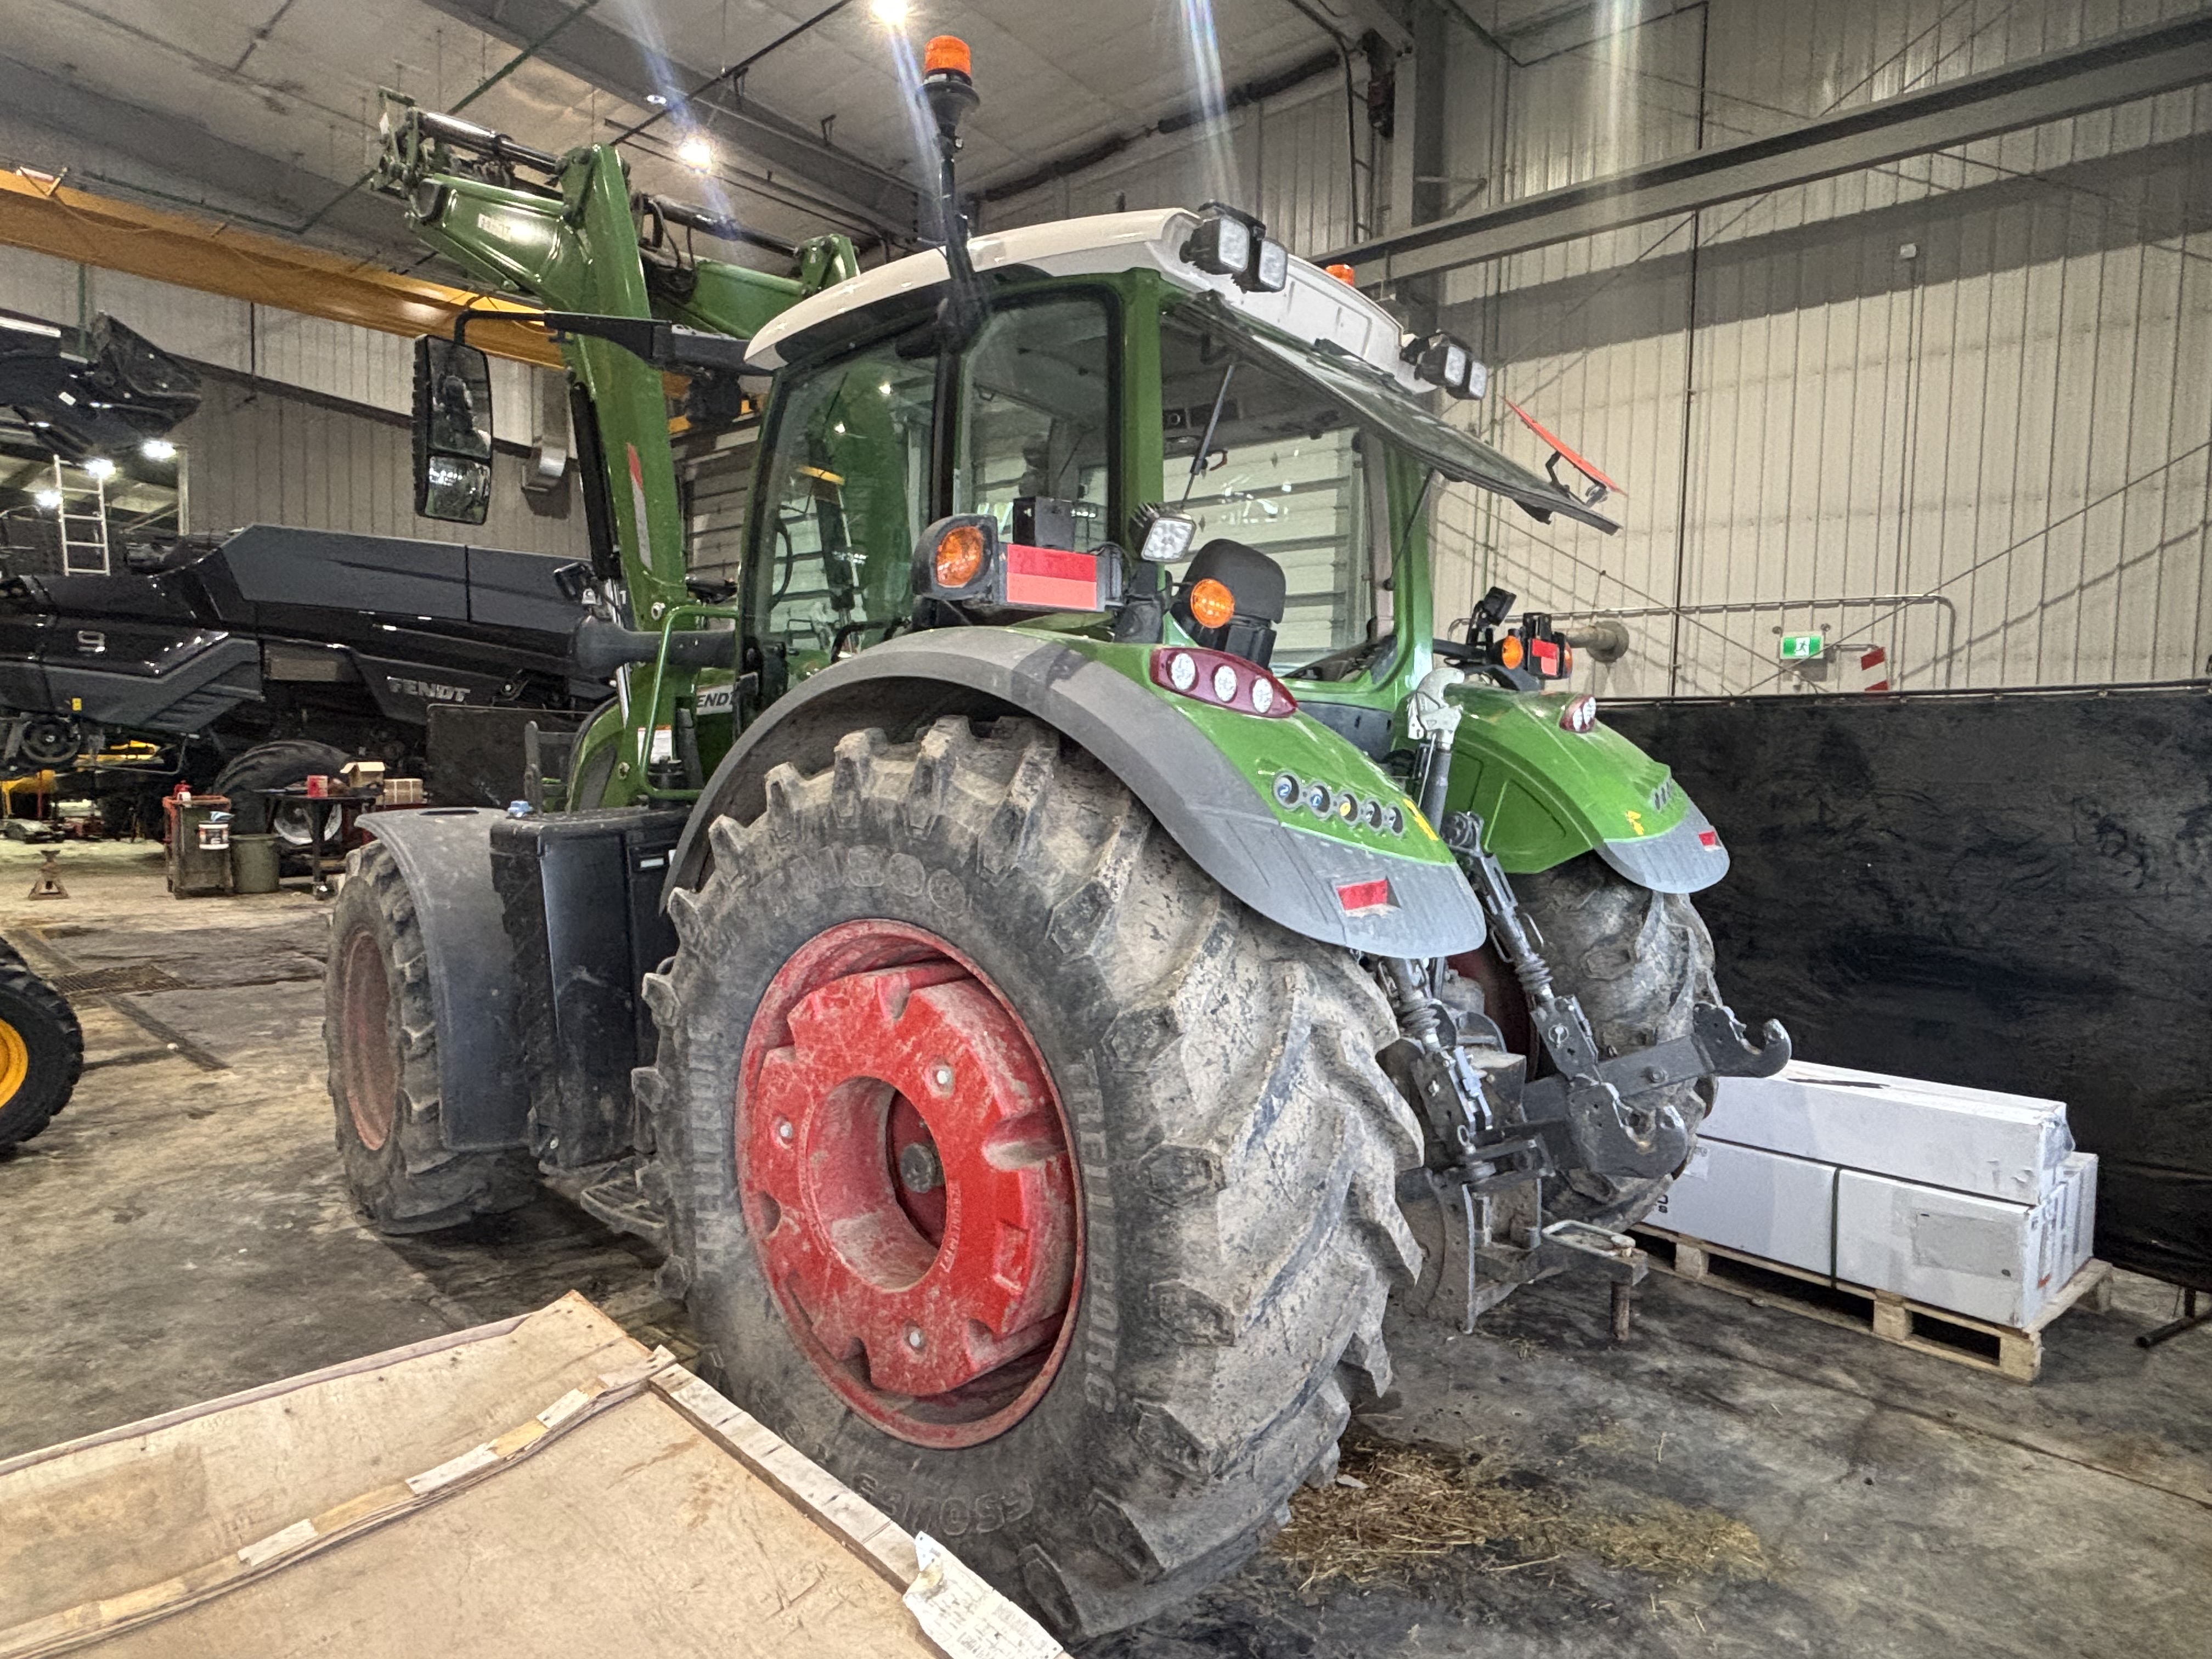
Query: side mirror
x=453, y=431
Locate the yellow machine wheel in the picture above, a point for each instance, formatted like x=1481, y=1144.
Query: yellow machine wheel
x=14, y=1063
x=42, y=1051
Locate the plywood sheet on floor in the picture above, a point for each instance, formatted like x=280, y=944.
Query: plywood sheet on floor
x=544, y=1486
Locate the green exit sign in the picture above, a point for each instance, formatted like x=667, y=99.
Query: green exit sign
x=1801, y=647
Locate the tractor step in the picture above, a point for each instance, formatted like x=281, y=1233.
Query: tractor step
x=619, y=1194
x=2015, y=1354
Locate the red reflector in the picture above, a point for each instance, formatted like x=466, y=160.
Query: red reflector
x=1050, y=579
x=1710, y=839
x=1546, y=654
x=1357, y=897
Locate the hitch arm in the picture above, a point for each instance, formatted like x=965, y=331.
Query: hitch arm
x=1715, y=1045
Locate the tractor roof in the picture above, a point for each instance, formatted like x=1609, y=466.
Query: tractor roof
x=1312, y=306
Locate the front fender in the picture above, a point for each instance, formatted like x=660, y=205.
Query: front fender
x=1205, y=773
x=1545, y=795
x=444, y=853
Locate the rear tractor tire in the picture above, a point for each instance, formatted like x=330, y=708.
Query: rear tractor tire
x=42, y=1051
x=1639, y=961
x=382, y=1035
x=1020, y=1174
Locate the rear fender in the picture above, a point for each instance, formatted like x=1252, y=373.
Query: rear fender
x=1205, y=773
x=1546, y=794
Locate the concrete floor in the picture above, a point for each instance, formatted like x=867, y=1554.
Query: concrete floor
x=180, y=1233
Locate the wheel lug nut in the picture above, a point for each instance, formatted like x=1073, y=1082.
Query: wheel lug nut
x=915, y=1339
x=919, y=1168
x=783, y=1130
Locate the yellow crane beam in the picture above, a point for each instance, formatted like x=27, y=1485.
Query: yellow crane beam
x=48, y=216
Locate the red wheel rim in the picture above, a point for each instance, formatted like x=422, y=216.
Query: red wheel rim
x=904, y=1165
x=371, y=1074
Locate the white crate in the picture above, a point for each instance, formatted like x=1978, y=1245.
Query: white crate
x=1982, y=1257
x=2013, y=1147
x=1766, y=1204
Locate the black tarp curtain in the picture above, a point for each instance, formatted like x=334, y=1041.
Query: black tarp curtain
x=2010, y=891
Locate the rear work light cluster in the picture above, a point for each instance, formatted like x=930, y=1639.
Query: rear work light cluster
x=1447, y=360
x=1224, y=681
x=964, y=561
x=1229, y=242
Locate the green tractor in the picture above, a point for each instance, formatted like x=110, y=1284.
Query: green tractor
x=1065, y=943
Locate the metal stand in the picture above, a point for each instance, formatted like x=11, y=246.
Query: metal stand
x=321, y=810
x=49, y=884
x=1624, y=1309
x=2189, y=1320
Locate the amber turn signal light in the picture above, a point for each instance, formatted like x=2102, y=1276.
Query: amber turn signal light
x=1212, y=604
x=1509, y=651
x=959, y=556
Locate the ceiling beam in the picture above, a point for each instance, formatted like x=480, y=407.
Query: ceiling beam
x=181, y=152
x=2163, y=57
x=48, y=216
x=605, y=57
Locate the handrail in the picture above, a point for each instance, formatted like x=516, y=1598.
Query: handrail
x=642, y=736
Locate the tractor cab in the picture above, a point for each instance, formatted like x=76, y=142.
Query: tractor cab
x=1163, y=428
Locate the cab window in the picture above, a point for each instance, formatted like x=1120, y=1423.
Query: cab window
x=1036, y=420
x=1284, y=469
x=845, y=493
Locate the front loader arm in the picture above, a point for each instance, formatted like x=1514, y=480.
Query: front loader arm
x=573, y=250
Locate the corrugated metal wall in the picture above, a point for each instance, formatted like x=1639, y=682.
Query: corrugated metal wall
x=259, y=457
x=1960, y=399
x=335, y=458
x=1287, y=157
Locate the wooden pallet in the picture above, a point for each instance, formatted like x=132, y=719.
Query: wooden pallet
x=2013, y=1353
x=430, y=1500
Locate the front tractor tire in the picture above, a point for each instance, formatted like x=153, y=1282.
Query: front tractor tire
x=380, y=1034
x=1020, y=1174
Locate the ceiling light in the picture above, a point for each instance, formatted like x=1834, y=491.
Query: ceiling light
x=158, y=449
x=48, y=499
x=887, y=11
x=101, y=467
x=697, y=154
x=656, y=100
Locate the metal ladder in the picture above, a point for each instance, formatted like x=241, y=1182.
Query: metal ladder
x=84, y=530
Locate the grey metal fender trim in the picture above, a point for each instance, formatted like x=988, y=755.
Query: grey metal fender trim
x=1677, y=860
x=444, y=853
x=1214, y=813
